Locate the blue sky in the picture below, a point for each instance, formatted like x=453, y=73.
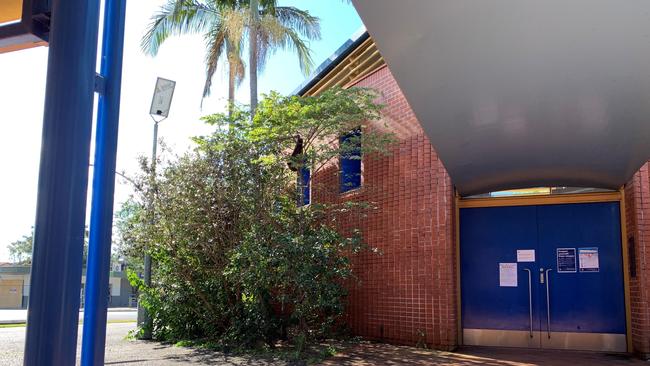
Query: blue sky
x=22, y=85
x=339, y=21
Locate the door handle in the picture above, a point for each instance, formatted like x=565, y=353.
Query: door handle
x=530, y=301
x=548, y=306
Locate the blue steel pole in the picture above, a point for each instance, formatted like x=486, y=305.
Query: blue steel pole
x=101, y=213
x=53, y=313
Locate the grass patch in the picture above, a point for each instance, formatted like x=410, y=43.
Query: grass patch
x=18, y=325
x=119, y=321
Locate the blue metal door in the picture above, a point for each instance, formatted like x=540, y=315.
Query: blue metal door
x=543, y=276
x=586, y=304
x=493, y=314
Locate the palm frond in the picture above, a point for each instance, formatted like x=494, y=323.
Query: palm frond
x=235, y=23
x=216, y=44
x=226, y=36
x=178, y=17
x=303, y=51
x=274, y=35
x=236, y=62
x=301, y=21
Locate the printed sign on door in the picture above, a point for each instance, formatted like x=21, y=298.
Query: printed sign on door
x=566, y=260
x=508, y=274
x=588, y=258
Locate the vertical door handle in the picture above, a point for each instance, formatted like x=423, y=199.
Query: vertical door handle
x=548, y=306
x=530, y=302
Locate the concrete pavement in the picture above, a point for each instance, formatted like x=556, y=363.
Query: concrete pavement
x=120, y=351
x=371, y=354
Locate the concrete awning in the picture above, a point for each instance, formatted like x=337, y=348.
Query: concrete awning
x=521, y=93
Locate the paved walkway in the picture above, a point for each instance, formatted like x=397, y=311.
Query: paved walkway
x=367, y=354
x=120, y=351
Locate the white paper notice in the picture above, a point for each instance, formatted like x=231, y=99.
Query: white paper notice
x=588, y=258
x=508, y=274
x=525, y=255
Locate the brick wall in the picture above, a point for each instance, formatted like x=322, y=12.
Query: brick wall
x=406, y=294
x=637, y=210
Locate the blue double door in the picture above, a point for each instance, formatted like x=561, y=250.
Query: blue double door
x=547, y=276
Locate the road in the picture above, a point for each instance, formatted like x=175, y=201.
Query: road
x=9, y=316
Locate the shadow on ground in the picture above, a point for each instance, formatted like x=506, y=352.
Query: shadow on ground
x=154, y=353
x=382, y=354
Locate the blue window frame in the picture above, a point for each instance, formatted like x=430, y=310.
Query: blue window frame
x=350, y=161
x=304, y=182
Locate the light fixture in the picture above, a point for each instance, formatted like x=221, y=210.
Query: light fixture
x=162, y=97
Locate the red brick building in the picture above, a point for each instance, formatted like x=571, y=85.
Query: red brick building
x=411, y=293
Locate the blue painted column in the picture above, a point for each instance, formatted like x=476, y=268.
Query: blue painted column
x=101, y=214
x=52, y=318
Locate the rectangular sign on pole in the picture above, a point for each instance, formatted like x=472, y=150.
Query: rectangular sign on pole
x=162, y=97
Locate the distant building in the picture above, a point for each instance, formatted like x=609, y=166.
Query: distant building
x=15, y=282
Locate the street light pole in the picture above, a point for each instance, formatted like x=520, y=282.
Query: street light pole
x=142, y=313
x=160, y=104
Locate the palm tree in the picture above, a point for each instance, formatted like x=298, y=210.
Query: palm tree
x=211, y=18
x=252, y=52
x=275, y=27
x=224, y=23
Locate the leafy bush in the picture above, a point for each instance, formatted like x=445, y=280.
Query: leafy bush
x=237, y=260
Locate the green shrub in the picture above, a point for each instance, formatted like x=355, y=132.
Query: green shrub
x=237, y=260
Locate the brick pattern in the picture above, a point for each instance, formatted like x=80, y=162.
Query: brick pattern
x=637, y=216
x=406, y=294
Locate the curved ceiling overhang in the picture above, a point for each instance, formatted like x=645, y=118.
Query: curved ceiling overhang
x=522, y=93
